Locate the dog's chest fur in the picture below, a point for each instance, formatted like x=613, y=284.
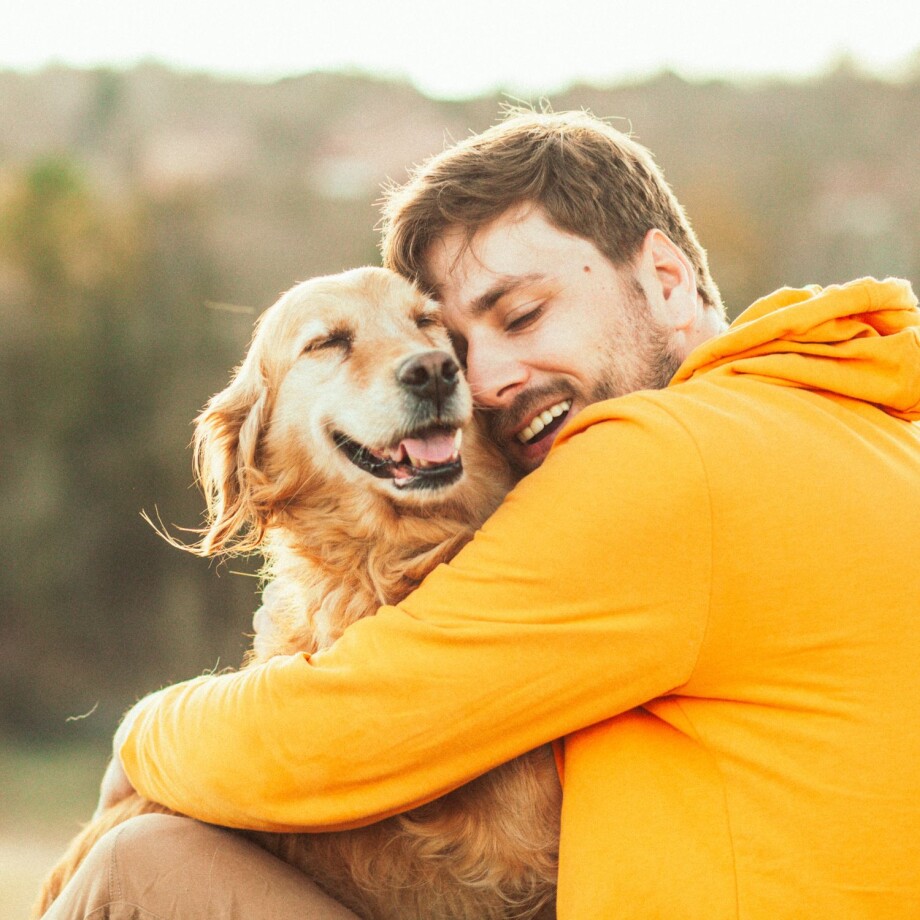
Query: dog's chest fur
x=487, y=851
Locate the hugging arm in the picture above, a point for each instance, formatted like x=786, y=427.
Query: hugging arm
x=585, y=595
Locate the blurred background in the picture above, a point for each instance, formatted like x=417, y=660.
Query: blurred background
x=167, y=170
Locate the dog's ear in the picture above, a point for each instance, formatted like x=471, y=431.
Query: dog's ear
x=228, y=436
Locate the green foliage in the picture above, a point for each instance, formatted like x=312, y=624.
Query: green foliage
x=98, y=385
x=45, y=220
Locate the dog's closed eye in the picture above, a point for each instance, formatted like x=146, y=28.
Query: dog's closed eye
x=339, y=339
x=424, y=320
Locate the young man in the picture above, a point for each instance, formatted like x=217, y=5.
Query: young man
x=707, y=589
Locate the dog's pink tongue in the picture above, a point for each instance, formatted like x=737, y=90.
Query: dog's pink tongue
x=437, y=448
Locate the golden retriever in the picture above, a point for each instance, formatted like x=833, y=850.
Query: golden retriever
x=335, y=451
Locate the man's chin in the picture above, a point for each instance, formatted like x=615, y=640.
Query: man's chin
x=525, y=458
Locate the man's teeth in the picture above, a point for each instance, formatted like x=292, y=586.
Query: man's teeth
x=539, y=422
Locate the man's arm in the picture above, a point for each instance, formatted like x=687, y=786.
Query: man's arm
x=585, y=595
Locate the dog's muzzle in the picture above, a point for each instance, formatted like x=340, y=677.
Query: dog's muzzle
x=427, y=459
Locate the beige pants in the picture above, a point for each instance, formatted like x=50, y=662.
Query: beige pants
x=160, y=867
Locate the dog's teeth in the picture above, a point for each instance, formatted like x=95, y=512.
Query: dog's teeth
x=418, y=462
x=458, y=438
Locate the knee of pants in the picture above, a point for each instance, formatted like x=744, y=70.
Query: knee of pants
x=140, y=837
x=124, y=861
x=167, y=866
x=174, y=866
x=157, y=838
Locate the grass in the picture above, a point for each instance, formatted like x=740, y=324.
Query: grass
x=47, y=794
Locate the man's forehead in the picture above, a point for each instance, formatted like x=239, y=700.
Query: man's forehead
x=448, y=260
x=475, y=292
x=474, y=273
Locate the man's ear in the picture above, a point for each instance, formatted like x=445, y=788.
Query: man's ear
x=669, y=280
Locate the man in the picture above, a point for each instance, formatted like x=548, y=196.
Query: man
x=708, y=590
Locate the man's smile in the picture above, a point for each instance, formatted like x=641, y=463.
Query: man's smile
x=545, y=422
x=526, y=430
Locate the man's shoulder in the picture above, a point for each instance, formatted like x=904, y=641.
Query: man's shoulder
x=663, y=413
x=725, y=424
x=646, y=435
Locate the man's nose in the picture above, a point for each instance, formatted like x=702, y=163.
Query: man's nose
x=495, y=376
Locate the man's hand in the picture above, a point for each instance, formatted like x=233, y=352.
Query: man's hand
x=115, y=783
x=115, y=786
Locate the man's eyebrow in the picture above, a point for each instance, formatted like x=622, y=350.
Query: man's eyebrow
x=504, y=286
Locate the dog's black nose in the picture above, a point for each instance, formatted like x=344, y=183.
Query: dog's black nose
x=429, y=375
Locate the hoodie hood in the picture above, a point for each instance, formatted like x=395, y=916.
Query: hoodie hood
x=860, y=340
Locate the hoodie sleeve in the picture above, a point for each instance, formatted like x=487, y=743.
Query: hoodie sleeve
x=585, y=595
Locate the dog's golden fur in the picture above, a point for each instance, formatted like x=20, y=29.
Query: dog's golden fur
x=339, y=541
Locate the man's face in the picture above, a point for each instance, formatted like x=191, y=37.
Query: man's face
x=545, y=325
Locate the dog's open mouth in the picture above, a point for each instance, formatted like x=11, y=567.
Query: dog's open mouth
x=429, y=459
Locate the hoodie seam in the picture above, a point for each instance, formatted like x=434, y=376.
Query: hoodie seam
x=706, y=631
x=707, y=488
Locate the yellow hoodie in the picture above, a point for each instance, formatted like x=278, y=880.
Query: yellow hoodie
x=712, y=592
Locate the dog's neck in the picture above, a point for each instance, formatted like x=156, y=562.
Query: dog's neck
x=391, y=547
x=332, y=565
x=337, y=554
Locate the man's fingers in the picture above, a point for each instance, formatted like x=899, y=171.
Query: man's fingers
x=115, y=786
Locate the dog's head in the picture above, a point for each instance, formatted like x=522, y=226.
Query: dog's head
x=350, y=387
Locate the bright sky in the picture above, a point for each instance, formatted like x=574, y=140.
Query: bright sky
x=469, y=46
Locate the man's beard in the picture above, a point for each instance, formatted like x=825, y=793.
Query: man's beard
x=654, y=362
x=641, y=358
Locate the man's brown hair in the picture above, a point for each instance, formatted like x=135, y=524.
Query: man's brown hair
x=590, y=180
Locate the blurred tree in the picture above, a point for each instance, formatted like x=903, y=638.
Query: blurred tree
x=106, y=359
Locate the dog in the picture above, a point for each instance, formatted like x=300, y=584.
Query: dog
x=346, y=452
